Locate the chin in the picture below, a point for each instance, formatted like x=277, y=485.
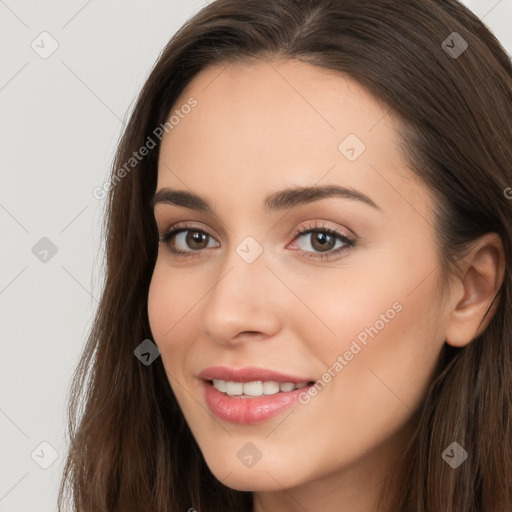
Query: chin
x=262, y=476
x=249, y=481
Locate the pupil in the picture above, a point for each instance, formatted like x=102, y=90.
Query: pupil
x=196, y=238
x=323, y=240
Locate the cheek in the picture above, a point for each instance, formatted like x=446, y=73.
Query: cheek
x=161, y=306
x=171, y=301
x=172, y=295
x=387, y=362
x=385, y=334
x=383, y=383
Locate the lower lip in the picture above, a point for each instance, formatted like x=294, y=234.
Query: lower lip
x=249, y=410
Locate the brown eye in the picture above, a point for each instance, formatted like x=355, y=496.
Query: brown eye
x=195, y=240
x=185, y=241
x=321, y=241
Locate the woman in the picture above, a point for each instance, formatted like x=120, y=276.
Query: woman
x=307, y=300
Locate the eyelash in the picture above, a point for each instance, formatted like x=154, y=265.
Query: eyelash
x=349, y=243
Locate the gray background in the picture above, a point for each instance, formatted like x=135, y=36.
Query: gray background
x=61, y=117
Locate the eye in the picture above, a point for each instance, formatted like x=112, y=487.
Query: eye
x=184, y=240
x=325, y=242
x=319, y=241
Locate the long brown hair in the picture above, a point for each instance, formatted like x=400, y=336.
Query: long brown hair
x=130, y=446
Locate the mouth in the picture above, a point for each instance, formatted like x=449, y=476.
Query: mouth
x=256, y=388
x=250, y=395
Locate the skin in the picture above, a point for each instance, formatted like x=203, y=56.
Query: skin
x=258, y=128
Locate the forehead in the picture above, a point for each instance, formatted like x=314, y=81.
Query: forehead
x=265, y=125
x=278, y=103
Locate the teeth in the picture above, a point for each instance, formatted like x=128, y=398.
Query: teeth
x=234, y=388
x=255, y=388
x=270, y=388
x=220, y=385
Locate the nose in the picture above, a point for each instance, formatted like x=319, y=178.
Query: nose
x=243, y=303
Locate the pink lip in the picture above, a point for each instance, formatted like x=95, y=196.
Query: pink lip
x=248, y=410
x=249, y=374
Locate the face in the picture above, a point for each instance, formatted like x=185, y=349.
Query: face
x=308, y=266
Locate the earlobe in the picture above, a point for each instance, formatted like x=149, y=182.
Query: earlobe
x=475, y=300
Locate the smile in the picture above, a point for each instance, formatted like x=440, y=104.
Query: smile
x=250, y=395
x=255, y=388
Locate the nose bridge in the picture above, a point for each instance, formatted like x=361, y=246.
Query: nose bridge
x=240, y=299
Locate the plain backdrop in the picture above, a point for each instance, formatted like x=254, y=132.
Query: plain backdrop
x=61, y=117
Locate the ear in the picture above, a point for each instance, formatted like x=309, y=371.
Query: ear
x=483, y=269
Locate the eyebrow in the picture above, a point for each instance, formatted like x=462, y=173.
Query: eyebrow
x=281, y=200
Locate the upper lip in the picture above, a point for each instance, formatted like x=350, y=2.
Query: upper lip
x=249, y=374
